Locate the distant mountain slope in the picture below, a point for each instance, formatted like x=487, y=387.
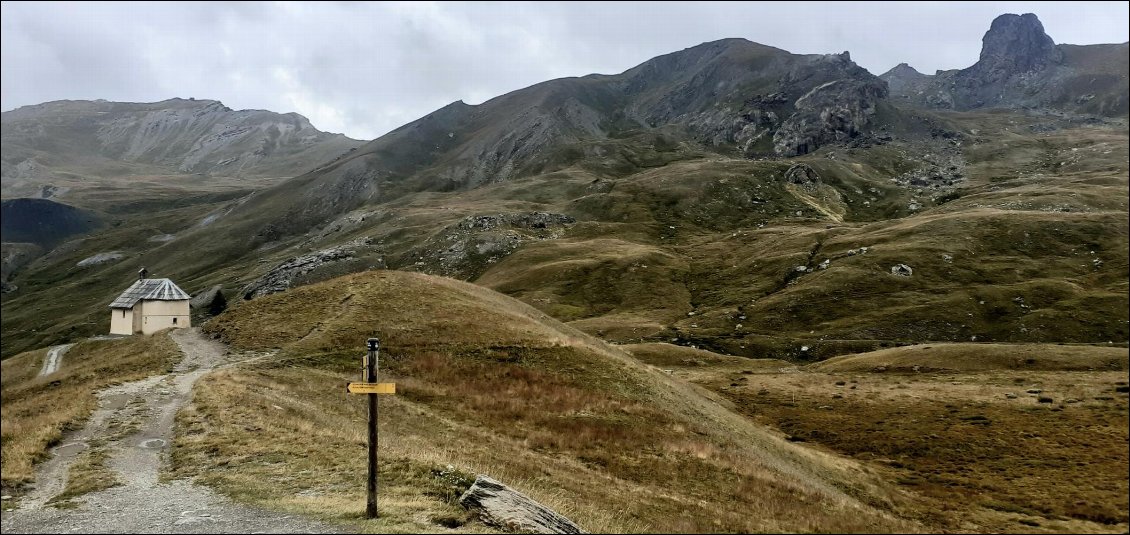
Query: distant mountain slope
x=42, y=222
x=730, y=196
x=1021, y=67
x=731, y=96
x=49, y=142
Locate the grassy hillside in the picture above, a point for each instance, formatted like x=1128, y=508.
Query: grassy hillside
x=977, y=433
x=1029, y=246
x=489, y=385
x=981, y=357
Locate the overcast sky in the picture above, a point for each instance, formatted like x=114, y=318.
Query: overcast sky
x=366, y=68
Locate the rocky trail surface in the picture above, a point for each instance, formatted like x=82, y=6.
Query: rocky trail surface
x=141, y=503
x=54, y=359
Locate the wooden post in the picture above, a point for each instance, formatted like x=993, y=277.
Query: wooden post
x=371, y=377
x=369, y=385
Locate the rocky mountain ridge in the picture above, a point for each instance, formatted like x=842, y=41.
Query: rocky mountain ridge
x=47, y=143
x=1020, y=66
x=731, y=96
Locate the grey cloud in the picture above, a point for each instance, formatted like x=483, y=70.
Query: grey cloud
x=366, y=68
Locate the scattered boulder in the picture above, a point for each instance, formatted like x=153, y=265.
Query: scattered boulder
x=525, y=220
x=209, y=302
x=470, y=246
x=503, y=507
x=801, y=174
x=902, y=270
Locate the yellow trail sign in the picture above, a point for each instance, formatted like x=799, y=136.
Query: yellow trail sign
x=371, y=388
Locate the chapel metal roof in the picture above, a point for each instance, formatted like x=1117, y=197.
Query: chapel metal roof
x=149, y=289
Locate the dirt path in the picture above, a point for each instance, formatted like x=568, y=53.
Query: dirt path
x=54, y=359
x=140, y=503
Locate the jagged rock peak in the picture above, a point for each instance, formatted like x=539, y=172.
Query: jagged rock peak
x=1017, y=43
x=902, y=69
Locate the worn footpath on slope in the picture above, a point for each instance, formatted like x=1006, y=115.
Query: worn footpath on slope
x=141, y=503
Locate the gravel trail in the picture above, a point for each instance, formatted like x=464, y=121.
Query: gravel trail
x=141, y=503
x=54, y=359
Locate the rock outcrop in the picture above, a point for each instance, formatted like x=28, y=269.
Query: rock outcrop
x=503, y=507
x=310, y=267
x=1015, y=44
x=902, y=270
x=1020, y=66
x=904, y=79
x=207, y=303
x=470, y=246
x=801, y=175
x=100, y=258
x=832, y=112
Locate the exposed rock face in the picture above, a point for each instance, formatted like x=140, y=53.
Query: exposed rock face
x=301, y=269
x=801, y=174
x=904, y=79
x=100, y=258
x=1016, y=44
x=1014, y=52
x=1021, y=67
x=503, y=507
x=901, y=270
x=526, y=220
x=467, y=248
x=833, y=112
x=208, y=303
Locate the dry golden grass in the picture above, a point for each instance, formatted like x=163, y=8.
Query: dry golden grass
x=489, y=385
x=38, y=410
x=668, y=355
x=982, y=357
x=89, y=473
x=973, y=448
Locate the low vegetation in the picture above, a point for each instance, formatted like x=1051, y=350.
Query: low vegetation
x=89, y=473
x=38, y=411
x=986, y=437
x=489, y=385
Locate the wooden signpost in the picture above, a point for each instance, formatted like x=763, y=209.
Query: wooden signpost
x=371, y=387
